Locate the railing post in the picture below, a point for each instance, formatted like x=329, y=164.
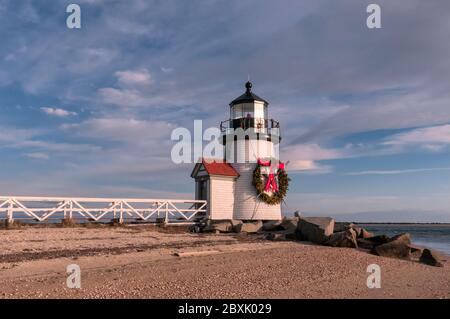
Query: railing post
x=166, y=219
x=71, y=210
x=10, y=215
x=158, y=209
x=65, y=210
x=121, y=213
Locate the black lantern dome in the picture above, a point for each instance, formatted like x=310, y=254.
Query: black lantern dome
x=248, y=96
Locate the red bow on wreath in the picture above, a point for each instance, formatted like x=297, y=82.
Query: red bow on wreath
x=271, y=180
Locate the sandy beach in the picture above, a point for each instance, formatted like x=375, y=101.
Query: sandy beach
x=142, y=262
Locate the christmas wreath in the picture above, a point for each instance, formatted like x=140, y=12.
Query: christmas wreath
x=267, y=188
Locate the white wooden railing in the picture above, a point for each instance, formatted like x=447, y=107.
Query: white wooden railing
x=43, y=209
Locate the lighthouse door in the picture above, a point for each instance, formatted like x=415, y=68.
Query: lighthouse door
x=203, y=189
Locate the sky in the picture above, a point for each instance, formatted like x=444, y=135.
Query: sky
x=364, y=113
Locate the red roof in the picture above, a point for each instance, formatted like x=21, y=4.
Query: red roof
x=216, y=167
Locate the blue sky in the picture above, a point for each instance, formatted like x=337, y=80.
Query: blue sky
x=365, y=114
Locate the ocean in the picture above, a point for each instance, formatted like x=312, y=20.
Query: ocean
x=434, y=236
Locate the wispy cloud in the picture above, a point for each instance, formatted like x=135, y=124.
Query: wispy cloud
x=133, y=77
x=40, y=156
x=400, y=171
x=433, y=138
x=57, y=112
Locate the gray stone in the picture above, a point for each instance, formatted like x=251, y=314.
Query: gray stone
x=345, y=238
x=366, y=244
x=378, y=240
x=315, y=229
x=235, y=222
x=430, y=258
x=289, y=223
x=404, y=238
x=249, y=227
x=341, y=226
x=195, y=229
x=416, y=252
x=272, y=225
x=365, y=234
x=216, y=226
x=358, y=230
x=396, y=249
x=276, y=236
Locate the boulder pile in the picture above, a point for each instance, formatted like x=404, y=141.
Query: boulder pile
x=325, y=231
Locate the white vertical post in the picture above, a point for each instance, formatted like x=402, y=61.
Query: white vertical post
x=167, y=213
x=10, y=216
x=65, y=210
x=158, y=209
x=71, y=210
x=121, y=213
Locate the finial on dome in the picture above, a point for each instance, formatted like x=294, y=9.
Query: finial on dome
x=248, y=86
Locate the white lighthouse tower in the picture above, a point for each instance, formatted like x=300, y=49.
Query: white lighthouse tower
x=248, y=136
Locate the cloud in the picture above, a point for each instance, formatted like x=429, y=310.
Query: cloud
x=167, y=70
x=124, y=98
x=128, y=130
x=306, y=157
x=308, y=166
x=38, y=155
x=34, y=139
x=400, y=171
x=433, y=138
x=57, y=112
x=133, y=78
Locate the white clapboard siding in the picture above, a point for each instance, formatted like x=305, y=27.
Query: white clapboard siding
x=247, y=206
x=222, y=194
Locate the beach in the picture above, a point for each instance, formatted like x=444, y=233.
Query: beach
x=148, y=262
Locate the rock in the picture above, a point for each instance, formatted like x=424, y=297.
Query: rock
x=276, y=236
x=378, y=240
x=341, y=226
x=315, y=229
x=290, y=223
x=291, y=236
x=396, y=247
x=358, y=230
x=365, y=234
x=343, y=239
x=404, y=238
x=272, y=225
x=394, y=250
x=416, y=252
x=235, y=222
x=195, y=229
x=430, y=258
x=366, y=244
x=297, y=214
x=219, y=226
x=249, y=227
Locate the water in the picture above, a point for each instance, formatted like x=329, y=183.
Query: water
x=434, y=236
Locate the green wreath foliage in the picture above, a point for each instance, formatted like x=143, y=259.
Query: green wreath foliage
x=276, y=197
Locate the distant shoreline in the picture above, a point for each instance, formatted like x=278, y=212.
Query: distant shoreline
x=411, y=224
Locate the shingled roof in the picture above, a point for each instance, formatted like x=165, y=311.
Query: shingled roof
x=216, y=167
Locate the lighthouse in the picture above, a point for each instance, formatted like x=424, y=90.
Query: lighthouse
x=249, y=182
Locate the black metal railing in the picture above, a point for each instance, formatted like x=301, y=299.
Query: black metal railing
x=267, y=126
